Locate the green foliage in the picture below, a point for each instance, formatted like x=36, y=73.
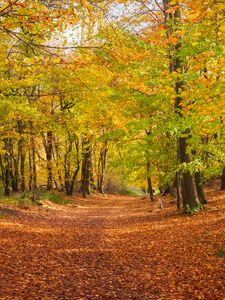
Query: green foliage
x=24, y=199
x=193, y=210
x=221, y=253
x=130, y=192
x=55, y=198
x=20, y=199
x=7, y=200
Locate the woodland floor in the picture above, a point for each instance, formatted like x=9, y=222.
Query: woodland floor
x=113, y=247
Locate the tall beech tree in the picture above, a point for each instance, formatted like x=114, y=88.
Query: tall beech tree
x=177, y=65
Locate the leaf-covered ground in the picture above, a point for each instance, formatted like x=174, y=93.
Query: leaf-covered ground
x=114, y=247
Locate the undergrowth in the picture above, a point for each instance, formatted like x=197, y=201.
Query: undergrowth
x=193, y=210
x=55, y=198
x=26, y=199
x=129, y=192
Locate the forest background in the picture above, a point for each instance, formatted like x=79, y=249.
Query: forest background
x=100, y=95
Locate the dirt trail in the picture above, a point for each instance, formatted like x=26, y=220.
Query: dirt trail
x=111, y=248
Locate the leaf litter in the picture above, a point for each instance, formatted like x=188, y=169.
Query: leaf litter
x=113, y=248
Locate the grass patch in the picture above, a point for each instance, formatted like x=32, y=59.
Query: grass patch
x=55, y=198
x=17, y=199
x=8, y=200
x=24, y=199
x=129, y=192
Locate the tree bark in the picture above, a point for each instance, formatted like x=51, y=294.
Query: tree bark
x=85, y=187
x=70, y=177
x=101, y=167
x=189, y=192
x=5, y=170
x=92, y=179
x=72, y=183
x=21, y=157
x=9, y=168
x=149, y=181
x=32, y=163
x=179, y=193
x=67, y=168
x=13, y=165
x=199, y=188
x=223, y=180
x=59, y=183
x=49, y=149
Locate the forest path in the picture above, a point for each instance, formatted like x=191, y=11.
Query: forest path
x=111, y=248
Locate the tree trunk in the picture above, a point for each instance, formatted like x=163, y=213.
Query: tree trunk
x=92, y=180
x=32, y=164
x=5, y=170
x=22, y=171
x=13, y=166
x=30, y=172
x=49, y=149
x=21, y=157
x=67, y=168
x=57, y=158
x=72, y=183
x=223, y=180
x=69, y=178
x=85, y=168
x=149, y=181
x=179, y=193
x=9, y=167
x=189, y=192
x=101, y=167
x=199, y=188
